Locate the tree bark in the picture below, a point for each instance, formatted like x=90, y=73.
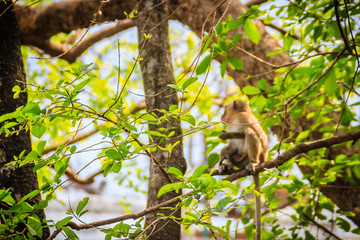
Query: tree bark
x=20, y=180
x=157, y=72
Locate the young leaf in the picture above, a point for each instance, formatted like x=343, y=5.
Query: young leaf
x=81, y=205
x=250, y=90
x=175, y=171
x=17, y=90
x=199, y=171
x=235, y=63
x=78, y=88
x=223, y=68
x=7, y=117
x=222, y=203
x=287, y=42
x=174, y=86
x=113, y=154
x=40, y=147
x=234, y=24
x=70, y=234
x=63, y=222
x=38, y=130
x=204, y=65
x=213, y=159
x=262, y=84
x=252, y=31
x=172, y=187
x=188, y=82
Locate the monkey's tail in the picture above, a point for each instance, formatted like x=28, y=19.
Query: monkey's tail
x=257, y=207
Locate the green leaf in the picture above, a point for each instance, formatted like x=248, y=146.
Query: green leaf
x=31, y=107
x=236, y=38
x=38, y=130
x=347, y=117
x=30, y=195
x=117, y=167
x=172, y=187
x=309, y=236
x=219, y=28
x=17, y=90
x=343, y=224
x=235, y=63
x=334, y=29
x=41, y=164
x=213, y=159
x=81, y=205
x=175, y=87
x=189, y=119
x=274, y=203
x=130, y=127
x=262, y=84
x=73, y=149
x=189, y=82
x=251, y=90
x=317, y=33
x=302, y=135
x=113, y=154
x=288, y=42
x=10, y=125
x=175, y=171
x=78, y=88
x=222, y=203
x=34, y=223
x=85, y=66
x=206, y=44
x=204, y=65
x=70, y=234
x=32, y=231
x=199, y=171
x=7, y=116
x=356, y=171
x=330, y=82
x=234, y=24
x=252, y=31
x=63, y=222
x=40, y=147
x=106, y=167
x=148, y=116
x=154, y=133
x=223, y=68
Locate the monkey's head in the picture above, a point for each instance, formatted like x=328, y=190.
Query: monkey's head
x=232, y=111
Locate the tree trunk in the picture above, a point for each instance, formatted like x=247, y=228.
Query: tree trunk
x=20, y=180
x=157, y=72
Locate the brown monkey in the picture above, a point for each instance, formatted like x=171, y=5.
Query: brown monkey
x=246, y=152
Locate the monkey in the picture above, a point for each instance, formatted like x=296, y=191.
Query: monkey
x=247, y=152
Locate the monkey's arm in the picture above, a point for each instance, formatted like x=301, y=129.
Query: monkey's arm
x=229, y=135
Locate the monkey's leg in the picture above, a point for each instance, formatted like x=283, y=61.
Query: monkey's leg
x=225, y=164
x=257, y=207
x=253, y=147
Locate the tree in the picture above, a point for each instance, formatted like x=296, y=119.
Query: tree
x=157, y=72
x=17, y=179
x=301, y=100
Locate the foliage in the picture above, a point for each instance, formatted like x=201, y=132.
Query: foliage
x=68, y=99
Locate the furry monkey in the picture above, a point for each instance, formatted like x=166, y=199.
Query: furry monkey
x=247, y=152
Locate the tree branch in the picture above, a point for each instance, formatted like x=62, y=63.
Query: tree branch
x=301, y=148
x=121, y=218
x=71, y=53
